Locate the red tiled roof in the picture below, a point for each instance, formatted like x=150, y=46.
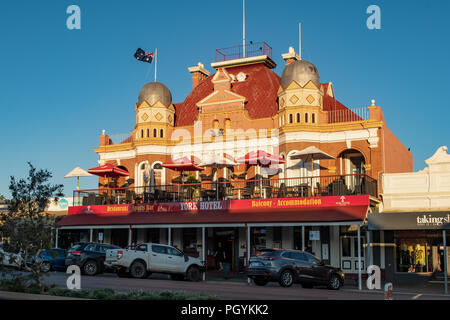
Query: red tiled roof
x=260, y=88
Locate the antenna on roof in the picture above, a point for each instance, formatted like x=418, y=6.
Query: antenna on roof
x=300, y=40
x=243, y=27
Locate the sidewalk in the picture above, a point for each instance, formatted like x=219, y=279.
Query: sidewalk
x=7, y=295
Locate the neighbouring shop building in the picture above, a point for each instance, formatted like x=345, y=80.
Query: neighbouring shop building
x=319, y=205
x=414, y=213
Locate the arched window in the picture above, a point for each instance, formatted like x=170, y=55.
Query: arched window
x=306, y=117
x=155, y=133
x=313, y=118
x=298, y=117
x=161, y=133
x=227, y=123
x=148, y=133
x=142, y=133
x=291, y=118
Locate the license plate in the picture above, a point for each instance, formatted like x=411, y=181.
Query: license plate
x=256, y=264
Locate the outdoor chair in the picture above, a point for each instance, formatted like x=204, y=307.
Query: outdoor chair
x=282, y=190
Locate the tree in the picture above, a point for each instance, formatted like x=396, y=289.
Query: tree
x=26, y=226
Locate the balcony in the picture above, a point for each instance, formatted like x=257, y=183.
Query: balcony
x=237, y=52
x=338, y=185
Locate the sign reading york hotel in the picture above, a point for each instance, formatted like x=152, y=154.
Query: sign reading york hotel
x=250, y=159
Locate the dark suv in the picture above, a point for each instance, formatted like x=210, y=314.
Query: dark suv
x=293, y=266
x=90, y=257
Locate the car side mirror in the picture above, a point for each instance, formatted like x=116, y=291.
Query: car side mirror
x=186, y=258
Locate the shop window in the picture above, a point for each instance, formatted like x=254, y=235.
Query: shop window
x=277, y=237
x=258, y=239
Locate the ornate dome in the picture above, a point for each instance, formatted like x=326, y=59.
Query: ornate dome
x=154, y=91
x=302, y=72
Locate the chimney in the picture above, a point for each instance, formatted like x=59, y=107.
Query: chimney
x=199, y=73
x=104, y=139
x=291, y=56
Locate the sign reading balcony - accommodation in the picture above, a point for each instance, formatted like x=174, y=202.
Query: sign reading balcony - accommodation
x=249, y=205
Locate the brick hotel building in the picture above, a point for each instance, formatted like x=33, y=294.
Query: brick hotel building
x=242, y=107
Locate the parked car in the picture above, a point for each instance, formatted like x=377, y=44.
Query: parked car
x=90, y=257
x=293, y=266
x=52, y=260
x=147, y=258
x=9, y=259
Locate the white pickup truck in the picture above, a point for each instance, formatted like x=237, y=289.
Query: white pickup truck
x=147, y=258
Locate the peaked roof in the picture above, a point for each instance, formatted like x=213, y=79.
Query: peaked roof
x=260, y=88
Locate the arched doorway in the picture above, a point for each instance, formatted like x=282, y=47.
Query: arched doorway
x=352, y=164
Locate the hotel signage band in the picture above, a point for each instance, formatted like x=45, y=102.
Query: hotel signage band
x=409, y=220
x=226, y=205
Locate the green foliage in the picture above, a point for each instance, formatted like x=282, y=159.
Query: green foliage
x=26, y=225
x=109, y=294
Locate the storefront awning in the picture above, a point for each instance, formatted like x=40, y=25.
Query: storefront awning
x=409, y=221
x=298, y=215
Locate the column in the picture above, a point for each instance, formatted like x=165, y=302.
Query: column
x=56, y=237
x=90, y=234
x=248, y=251
x=130, y=236
x=303, y=238
x=359, y=258
x=444, y=238
x=169, y=236
x=204, y=251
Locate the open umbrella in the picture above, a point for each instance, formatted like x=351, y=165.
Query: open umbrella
x=78, y=172
x=182, y=164
x=218, y=162
x=310, y=154
x=108, y=170
x=260, y=158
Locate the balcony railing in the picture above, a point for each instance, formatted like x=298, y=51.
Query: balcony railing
x=237, y=52
x=356, y=184
x=349, y=115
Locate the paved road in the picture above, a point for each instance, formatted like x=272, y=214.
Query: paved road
x=233, y=290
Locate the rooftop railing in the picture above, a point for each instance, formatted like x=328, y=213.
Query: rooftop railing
x=237, y=52
x=349, y=115
x=337, y=185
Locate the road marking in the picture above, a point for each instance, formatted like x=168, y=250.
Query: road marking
x=416, y=296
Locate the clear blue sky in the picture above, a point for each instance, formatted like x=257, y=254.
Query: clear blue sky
x=59, y=88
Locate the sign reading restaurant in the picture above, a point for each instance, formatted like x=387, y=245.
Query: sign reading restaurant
x=226, y=205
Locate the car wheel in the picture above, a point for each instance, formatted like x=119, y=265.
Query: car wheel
x=46, y=266
x=286, y=278
x=138, y=270
x=334, y=282
x=260, y=282
x=90, y=268
x=193, y=274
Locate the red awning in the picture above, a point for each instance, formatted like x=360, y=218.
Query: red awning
x=182, y=164
x=260, y=158
x=108, y=170
x=314, y=214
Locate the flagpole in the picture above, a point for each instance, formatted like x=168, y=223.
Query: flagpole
x=243, y=27
x=156, y=61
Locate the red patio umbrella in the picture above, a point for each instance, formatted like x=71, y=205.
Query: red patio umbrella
x=259, y=158
x=108, y=170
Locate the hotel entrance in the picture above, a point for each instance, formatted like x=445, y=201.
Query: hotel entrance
x=349, y=253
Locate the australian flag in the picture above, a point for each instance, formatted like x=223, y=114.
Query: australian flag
x=141, y=55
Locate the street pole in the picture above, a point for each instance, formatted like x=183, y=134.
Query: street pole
x=90, y=234
x=444, y=238
x=359, y=258
x=56, y=237
x=303, y=238
x=248, y=251
x=204, y=252
x=169, y=237
x=368, y=262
